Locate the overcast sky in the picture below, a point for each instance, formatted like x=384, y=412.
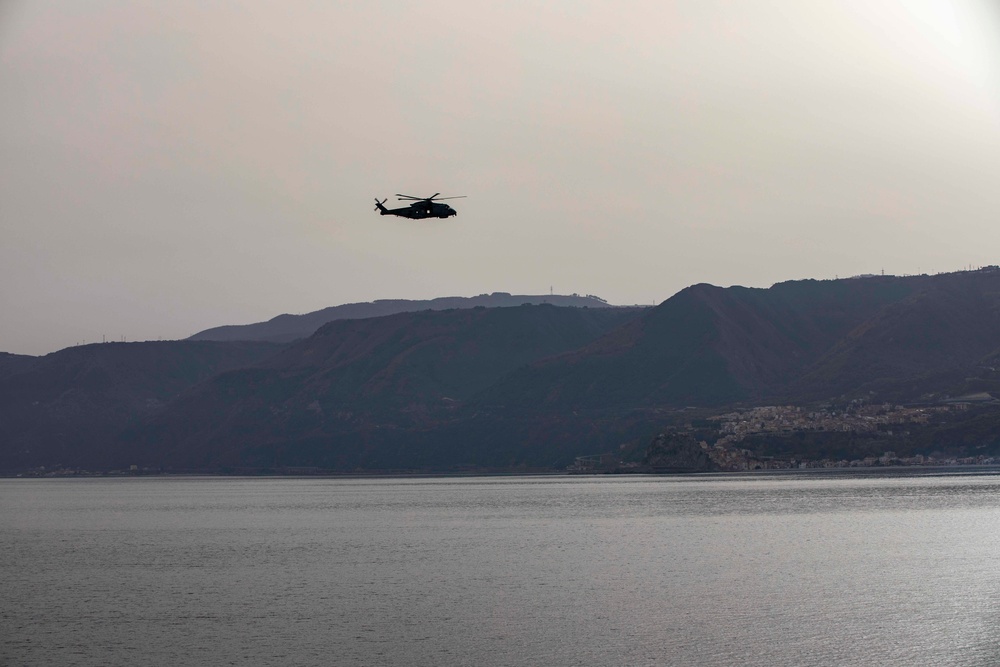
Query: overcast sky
x=166, y=167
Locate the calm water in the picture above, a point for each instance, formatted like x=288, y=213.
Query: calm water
x=766, y=570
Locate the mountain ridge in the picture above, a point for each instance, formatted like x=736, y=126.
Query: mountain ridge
x=534, y=386
x=287, y=327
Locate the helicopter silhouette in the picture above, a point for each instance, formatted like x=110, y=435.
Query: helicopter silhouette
x=419, y=208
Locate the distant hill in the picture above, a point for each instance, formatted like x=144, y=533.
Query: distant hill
x=14, y=363
x=517, y=387
x=942, y=334
x=897, y=337
x=68, y=407
x=286, y=328
x=435, y=389
x=349, y=395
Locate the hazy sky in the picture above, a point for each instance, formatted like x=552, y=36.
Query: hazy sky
x=166, y=167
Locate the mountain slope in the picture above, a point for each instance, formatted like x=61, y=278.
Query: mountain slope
x=937, y=336
x=66, y=407
x=704, y=346
x=15, y=363
x=356, y=388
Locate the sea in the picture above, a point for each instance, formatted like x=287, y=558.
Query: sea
x=882, y=568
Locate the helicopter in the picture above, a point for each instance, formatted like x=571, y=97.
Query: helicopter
x=419, y=208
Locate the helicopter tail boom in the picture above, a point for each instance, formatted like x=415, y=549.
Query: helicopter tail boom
x=379, y=206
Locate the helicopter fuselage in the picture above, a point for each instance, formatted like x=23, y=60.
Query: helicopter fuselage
x=419, y=210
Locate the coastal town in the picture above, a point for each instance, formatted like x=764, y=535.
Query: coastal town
x=732, y=451
x=788, y=418
x=857, y=417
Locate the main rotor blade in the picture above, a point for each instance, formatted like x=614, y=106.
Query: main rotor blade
x=433, y=197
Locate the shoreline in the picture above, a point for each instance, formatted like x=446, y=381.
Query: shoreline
x=957, y=469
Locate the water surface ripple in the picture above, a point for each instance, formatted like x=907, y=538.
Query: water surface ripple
x=775, y=570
